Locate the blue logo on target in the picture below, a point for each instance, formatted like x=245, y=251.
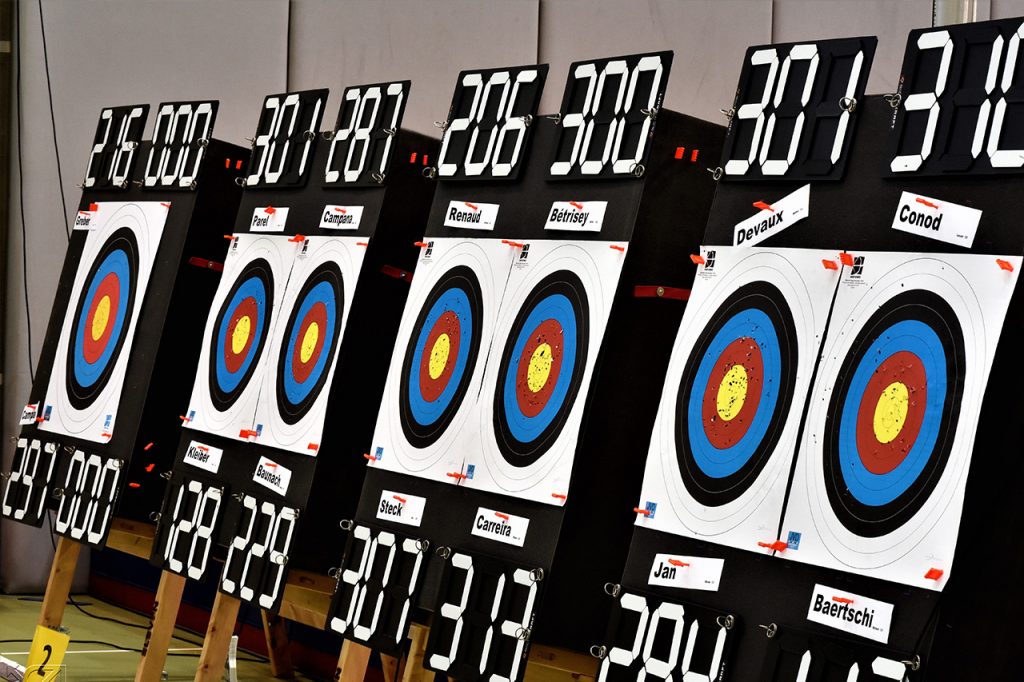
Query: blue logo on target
x=793, y=541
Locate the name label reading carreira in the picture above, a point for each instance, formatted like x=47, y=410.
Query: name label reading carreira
x=471, y=215
x=401, y=508
x=851, y=613
x=578, y=216
x=500, y=527
x=341, y=217
x=272, y=475
x=203, y=456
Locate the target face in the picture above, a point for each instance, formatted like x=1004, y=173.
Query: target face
x=88, y=374
x=304, y=347
x=550, y=327
x=880, y=478
x=434, y=379
x=738, y=378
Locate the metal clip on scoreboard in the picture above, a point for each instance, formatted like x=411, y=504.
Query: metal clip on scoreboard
x=807, y=477
x=141, y=268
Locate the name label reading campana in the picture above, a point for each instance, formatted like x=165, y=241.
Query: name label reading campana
x=272, y=475
x=341, y=217
x=850, y=613
x=204, y=456
x=500, y=527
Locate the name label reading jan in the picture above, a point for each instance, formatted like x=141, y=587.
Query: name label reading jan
x=687, y=572
x=471, y=215
x=768, y=222
x=577, y=216
x=203, y=456
x=272, y=475
x=936, y=219
x=268, y=219
x=341, y=217
x=500, y=527
x=851, y=613
x=401, y=508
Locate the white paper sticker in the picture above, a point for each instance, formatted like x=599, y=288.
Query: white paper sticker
x=272, y=475
x=203, y=456
x=29, y=414
x=471, y=215
x=851, y=613
x=401, y=508
x=578, y=216
x=501, y=527
x=768, y=222
x=85, y=220
x=268, y=219
x=936, y=219
x=341, y=217
x=688, y=572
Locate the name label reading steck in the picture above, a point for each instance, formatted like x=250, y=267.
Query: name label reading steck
x=500, y=527
x=401, y=508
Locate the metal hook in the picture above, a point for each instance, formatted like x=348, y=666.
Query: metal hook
x=377, y=177
x=612, y=589
x=638, y=170
x=347, y=524
x=333, y=572
x=441, y=124
x=132, y=145
x=80, y=185
x=726, y=622
x=430, y=172
x=390, y=132
x=239, y=496
x=123, y=184
x=770, y=630
x=166, y=475
x=537, y=574
x=893, y=100
x=118, y=464
x=444, y=552
x=310, y=135
x=716, y=173
x=193, y=185
x=137, y=183
x=650, y=113
x=557, y=118
x=203, y=142
x=423, y=545
x=154, y=517
x=914, y=663
x=58, y=493
x=522, y=634
x=598, y=652
x=527, y=120
x=728, y=113
x=240, y=181
x=280, y=559
x=5, y=475
x=848, y=104
x=328, y=135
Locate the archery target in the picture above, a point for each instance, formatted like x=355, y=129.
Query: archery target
x=303, y=350
x=723, y=441
x=879, y=482
x=550, y=325
x=241, y=322
x=95, y=343
x=436, y=369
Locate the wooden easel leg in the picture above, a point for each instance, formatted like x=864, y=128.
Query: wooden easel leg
x=414, y=670
x=277, y=645
x=161, y=627
x=218, y=638
x=58, y=586
x=352, y=663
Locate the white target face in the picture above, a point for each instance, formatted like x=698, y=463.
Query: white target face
x=303, y=351
x=879, y=483
x=434, y=379
x=549, y=331
x=242, y=318
x=723, y=441
x=95, y=342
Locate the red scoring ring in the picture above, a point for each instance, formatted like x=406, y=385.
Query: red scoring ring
x=906, y=368
x=109, y=286
x=448, y=323
x=247, y=306
x=550, y=332
x=724, y=434
x=301, y=370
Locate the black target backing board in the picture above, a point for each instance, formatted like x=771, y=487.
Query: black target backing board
x=125, y=470
x=311, y=488
x=965, y=629
x=661, y=214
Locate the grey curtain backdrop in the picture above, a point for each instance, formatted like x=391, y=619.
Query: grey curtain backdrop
x=109, y=52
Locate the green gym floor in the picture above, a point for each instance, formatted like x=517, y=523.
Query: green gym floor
x=98, y=662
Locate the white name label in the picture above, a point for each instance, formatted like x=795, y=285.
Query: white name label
x=851, y=613
x=768, y=222
x=578, y=216
x=471, y=215
x=688, y=572
x=936, y=219
x=203, y=456
x=84, y=220
x=401, y=508
x=29, y=414
x=501, y=527
x=272, y=475
x=268, y=219
x=341, y=217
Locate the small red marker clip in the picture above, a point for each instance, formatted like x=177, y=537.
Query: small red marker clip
x=558, y=496
x=512, y=243
x=369, y=457
x=842, y=600
x=846, y=258
x=229, y=237
x=694, y=154
x=399, y=498
x=677, y=562
x=617, y=247
x=165, y=205
x=270, y=210
x=94, y=207
x=297, y=238
x=133, y=484
x=456, y=475
x=763, y=206
x=426, y=162
x=40, y=420
x=313, y=446
x=339, y=209
x=927, y=203
x=472, y=206
x=934, y=574
x=421, y=244
x=362, y=243
x=697, y=260
x=577, y=205
x=829, y=264
x=501, y=516
x=638, y=510
x=148, y=446
x=150, y=467
x=412, y=157
x=184, y=419
x=238, y=166
x=246, y=433
x=1004, y=264
x=107, y=435
x=227, y=163
x=680, y=152
x=777, y=546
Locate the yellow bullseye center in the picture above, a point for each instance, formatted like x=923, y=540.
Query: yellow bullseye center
x=100, y=319
x=309, y=340
x=732, y=392
x=240, y=334
x=891, y=412
x=540, y=367
x=439, y=356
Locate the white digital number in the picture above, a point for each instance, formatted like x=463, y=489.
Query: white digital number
x=87, y=479
x=292, y=102
x=690, y=675
x=121, y=164
x=386, y=540
x=194, y=523
x=619, y=69
x=514, y=628
x=625, y=657
x=844, y=118
x=655, y=666
x=619, y=164
x=92, y=170
x=472, y=167
x=272, y=547
x=1005, y=158
x=577, y=120
x=927, y=101
x=512, y=124
x=470, y=80
x=23, y=480
x=269, y=145
x=808, y=53
x=755, y=110
x=453, y=612
x=280, y=546
x=361, y=534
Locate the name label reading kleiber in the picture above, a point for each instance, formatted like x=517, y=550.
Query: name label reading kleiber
x=272, y=475
x=471, y=215
x=401, y=508
x=768, y=222
x=500, y=527
x=688, y=572
x=936, y=219
x=203, y=456
x=851, y=613
x=341, y=217
x=577, y=216
x=268, y=219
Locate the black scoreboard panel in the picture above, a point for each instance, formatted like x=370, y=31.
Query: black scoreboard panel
x=101, y=418
x=935, y=617
x=502, y=554
x=297, y=338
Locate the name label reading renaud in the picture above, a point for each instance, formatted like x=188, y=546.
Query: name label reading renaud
x=768, y=222
x=203, y=456
x=470, y=215
x=272, y=475
x=936, y=219
x=577, y=216
x=268, y=219
x=688, y=572
x=851, y=613
x=401, y=508
x=341, y=217
x=500, y=527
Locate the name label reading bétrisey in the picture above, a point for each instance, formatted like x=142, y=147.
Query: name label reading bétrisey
x=341, y=217
x=401, y=508
x=203, y=456
x=272, y=475
x=500, y=527
x=471, y=215
x=578, y=216
x=850, y=613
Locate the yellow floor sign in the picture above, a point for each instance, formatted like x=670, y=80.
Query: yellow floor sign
x=46, y=655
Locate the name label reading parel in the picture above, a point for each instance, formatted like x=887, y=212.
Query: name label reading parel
x=268, y=219
x=401, y=508
x=500, y=527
